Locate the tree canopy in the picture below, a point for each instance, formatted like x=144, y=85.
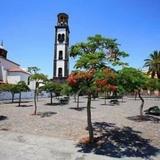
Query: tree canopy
x=153, y=64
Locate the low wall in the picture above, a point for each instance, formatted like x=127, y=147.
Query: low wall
x=24, y=95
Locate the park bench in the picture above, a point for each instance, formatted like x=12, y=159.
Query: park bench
x=114, y=101
x=64, y=100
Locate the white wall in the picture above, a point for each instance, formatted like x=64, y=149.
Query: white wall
x=4, y=74
x=15, y=77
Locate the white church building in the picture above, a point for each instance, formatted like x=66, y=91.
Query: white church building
x=10, y=72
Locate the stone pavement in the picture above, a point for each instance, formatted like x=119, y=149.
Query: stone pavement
x=17, y=146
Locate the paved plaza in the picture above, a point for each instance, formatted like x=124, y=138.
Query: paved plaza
x=57, y=129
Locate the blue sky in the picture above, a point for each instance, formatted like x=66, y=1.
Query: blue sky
x=27, y=27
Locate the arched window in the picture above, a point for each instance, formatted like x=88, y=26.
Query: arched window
x=63, y=37
x=60, y=38
x=60, y=55
x=59, y=72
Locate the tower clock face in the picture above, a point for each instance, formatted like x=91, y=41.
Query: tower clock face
x=61, y=38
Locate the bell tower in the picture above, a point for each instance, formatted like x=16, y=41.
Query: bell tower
x=61, y=55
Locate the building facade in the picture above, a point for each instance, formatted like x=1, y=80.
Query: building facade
x=61, y=54
x=10, y=72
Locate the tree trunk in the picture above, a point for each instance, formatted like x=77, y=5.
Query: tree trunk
x=158, y=75
x=78, y=101
x=90, y=128
x=135, y=95
x=37, y=95
x=75, y=98
x=78, y=98
x=12, y=97
x=142, y=104
x=51, y=95
x=35, y=102
x=122, y=98
x=19, y=99
x=105, y=97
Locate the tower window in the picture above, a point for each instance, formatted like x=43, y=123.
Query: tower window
x=59, y=72
x=61, y=38
x=60, y=55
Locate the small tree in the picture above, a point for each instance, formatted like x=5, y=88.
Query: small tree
x=38, y=78
x=66, y=89
x=153, y=84
x=52, y=87
x=92, y=56
x=33, y=69
x=104, y=81
x=21, y=87
x=132, y=79
x=12, y=88
x=76, y=85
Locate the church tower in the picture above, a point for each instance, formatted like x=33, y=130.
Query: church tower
x=61, y=55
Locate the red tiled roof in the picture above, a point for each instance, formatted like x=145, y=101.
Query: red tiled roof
x=16, y=69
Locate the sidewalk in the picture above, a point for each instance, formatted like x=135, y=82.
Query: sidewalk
x=17, y=146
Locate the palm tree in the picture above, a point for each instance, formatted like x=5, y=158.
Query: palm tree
x=153, y=64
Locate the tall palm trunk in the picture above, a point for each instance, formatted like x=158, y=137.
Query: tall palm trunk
x=158, y=75
x=142, y=104
x=90, y=128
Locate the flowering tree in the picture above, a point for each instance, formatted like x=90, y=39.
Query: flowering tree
x=93, y=55
x=81, y=81
x=104, y=81
x=75, y=89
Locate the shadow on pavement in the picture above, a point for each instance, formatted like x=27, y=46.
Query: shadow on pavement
x=25, y=106
x=78, y=108
x=3, y=117
x=16, y=102
x=118, y=142
x=145, y=118
x=46, y=114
